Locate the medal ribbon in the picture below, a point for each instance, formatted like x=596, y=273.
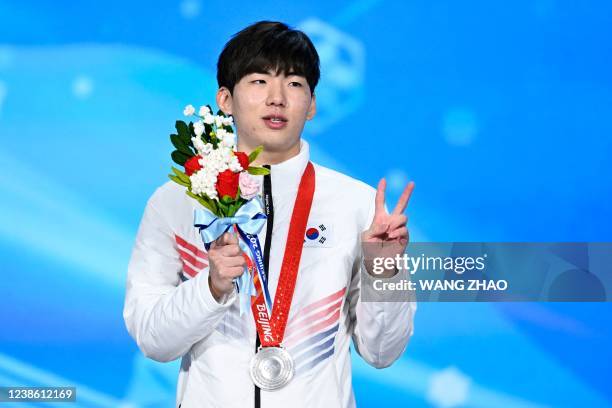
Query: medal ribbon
x=251, y=241
x=271, y=326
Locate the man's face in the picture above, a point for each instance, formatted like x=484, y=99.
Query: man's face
x=269, y=109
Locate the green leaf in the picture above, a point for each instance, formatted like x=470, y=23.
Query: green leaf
x=179, y=157
x=215, y=206
x=220, y=113
x=258, y=171
x=223, y=207
x=214, y=141
x=186, y=136
x=255, y=153
x=183, y=130
x=212, y=203
x=232, y=210
x=178, y=180
x=180, y=145
x=184, y=177
x=236, y=205
x=207, y=129
x=204, y=203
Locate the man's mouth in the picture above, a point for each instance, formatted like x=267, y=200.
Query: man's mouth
x=275, y=122
x=275, y=118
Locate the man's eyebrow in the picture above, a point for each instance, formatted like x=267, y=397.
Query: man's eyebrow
x=259, y=71
x=273, y=73
x=294, y=73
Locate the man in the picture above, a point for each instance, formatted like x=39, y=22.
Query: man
x=181, y=301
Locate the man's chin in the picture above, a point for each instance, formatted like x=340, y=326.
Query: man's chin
x=271, y=142
x=278, y=145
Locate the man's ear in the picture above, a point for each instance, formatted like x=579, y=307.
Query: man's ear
x=312, y=110
x=224, y=100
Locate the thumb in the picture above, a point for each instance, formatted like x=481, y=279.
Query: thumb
x=231, y=238
x=228, y=239
x=222, y=240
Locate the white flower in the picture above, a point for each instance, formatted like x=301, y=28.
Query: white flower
x=221, y=133
x=197, y=142
x=206, y=149
x=229, y=121
x=225, y=154
x=212, y=193
x=218, y=121
x=203, y=181
x=204, y=111
x=234, y=165
x=229, y=140
x=209, y=119
x=198, y=128
x=222, y=167
x=201, y=147
x=189, y=110
x=216, y=161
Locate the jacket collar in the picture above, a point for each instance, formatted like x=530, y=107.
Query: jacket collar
x=286, y=176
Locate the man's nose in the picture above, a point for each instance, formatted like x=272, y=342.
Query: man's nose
x=276, y=95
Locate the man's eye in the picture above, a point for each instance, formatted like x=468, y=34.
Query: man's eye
x=258, y=81
x=295, y=83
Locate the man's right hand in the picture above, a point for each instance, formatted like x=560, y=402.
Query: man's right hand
x=226, y=263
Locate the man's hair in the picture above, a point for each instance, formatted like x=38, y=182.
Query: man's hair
x=268, y=46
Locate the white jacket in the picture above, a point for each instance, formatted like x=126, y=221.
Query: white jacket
x=171, y=313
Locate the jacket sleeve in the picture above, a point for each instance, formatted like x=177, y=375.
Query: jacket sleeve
x=381, y=330
x=166, y=318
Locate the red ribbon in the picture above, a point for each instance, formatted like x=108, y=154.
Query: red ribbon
x=271, y=329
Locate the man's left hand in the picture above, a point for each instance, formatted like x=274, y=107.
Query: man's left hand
x=389, y=231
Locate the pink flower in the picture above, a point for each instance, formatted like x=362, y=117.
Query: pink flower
x=249, y=185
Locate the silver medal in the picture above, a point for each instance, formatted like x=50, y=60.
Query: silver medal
x=271, y=368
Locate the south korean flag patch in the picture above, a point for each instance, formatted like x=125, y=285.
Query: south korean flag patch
x=319, y=235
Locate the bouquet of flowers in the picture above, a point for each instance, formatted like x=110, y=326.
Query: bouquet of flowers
x=215, y=175
x=222, y=180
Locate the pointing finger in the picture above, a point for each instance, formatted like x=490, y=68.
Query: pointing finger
x=379, y=201
x=404, y=198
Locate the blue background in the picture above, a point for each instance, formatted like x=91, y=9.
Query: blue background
x=501, y=112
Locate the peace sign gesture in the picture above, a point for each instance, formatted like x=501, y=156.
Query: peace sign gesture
x=388, y=230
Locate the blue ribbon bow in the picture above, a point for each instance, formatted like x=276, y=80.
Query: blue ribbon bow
x=249, y=219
